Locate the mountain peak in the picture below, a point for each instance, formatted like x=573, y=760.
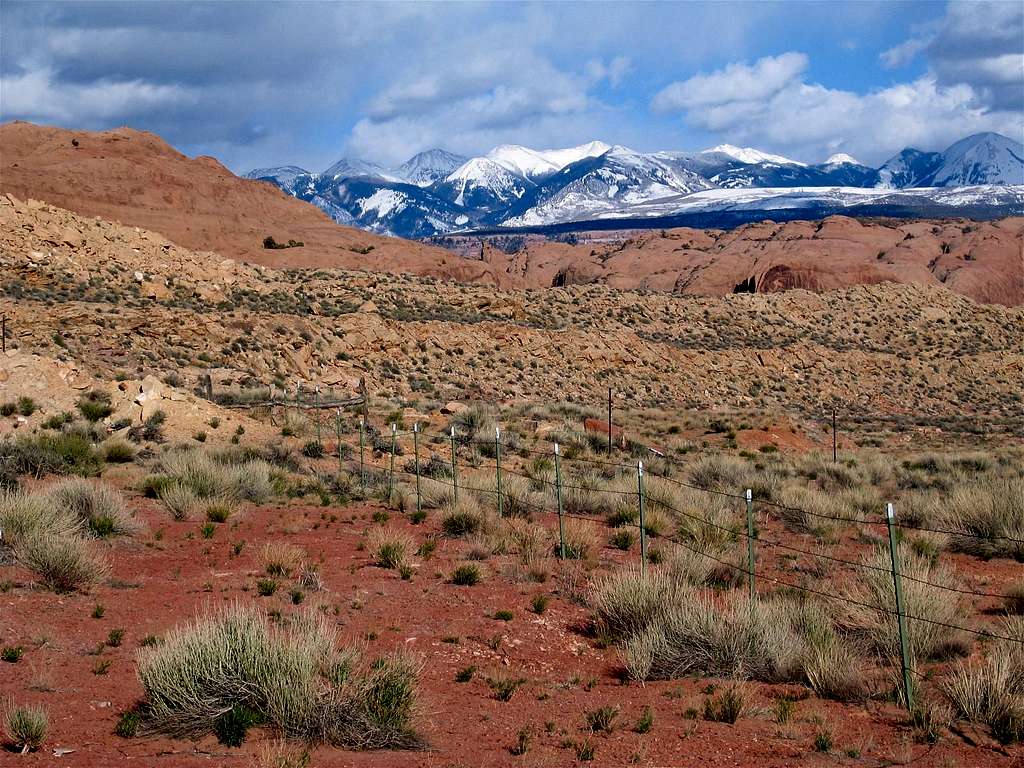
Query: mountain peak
x=749, y=155
x=841, y=158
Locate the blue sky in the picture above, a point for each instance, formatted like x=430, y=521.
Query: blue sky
x=305, y=83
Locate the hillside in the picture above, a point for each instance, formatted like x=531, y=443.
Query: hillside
x=138, y=179
x=122, y=302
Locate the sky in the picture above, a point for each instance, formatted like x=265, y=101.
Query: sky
x=262, y=84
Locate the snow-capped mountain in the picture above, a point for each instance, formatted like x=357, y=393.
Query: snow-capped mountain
x=985, y=158
x=749, y=155
x=435, y=192
x=425, y=168
x=482, y=184
x=350, y=169
x=617, y=179
x=535, y=164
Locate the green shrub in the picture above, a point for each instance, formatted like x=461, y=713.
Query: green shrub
x=504, y=687
x=64, y=453
x=726, y=707
x=390, y=548
x=11, y=653
x=466, y=575
x=26, y=405
x=117, y=451
x=95, y=405
x=26, y=726
x=603, y=718
x=128, y=724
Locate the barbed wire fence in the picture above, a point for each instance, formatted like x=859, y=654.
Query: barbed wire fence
x=554, y=495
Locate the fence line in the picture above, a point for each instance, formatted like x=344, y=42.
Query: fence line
x=752, y=537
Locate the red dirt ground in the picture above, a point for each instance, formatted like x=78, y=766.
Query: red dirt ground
x=162, y=577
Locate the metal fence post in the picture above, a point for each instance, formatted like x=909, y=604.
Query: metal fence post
x=558, y=495
x=901, y=620
x=337, y=434
x=750, y=543
x=455, y=470
x=391, y=475
x=362, y=449
x=416, y=451
x=497, y=469
x=316, y=411
x=643, y=530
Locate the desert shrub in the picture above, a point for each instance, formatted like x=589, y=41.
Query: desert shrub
x=227, y=477
x=117, y=451
x=590, y=494
x=466, y=575
x=463, y=518
x=1013, y=602
x=64, y=453
x=390, y=548
x=987, y=518
x=518, y=497
x=808, y=510
x=720, y=472
x=294, y=680
x=180, y=500
x=279, y=558
x=435, y=493
x=991, y=690
x=727, y=706
x=100, y=509
x=602, y=719
x=23, y=515
x=95, y=405
x=581, y=540
x=26, y=726
x=877, y=625
x=666, y=629
x=65, y=563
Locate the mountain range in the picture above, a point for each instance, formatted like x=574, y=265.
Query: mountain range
x=438, y=192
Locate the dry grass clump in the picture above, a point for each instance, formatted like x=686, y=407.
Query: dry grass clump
x=991, y=690
x=65, y=563
x=720, y=472
x=988, y=518
x=581, y=539
x=390, y=548
x=231, y=669
x=588, y=493
x=667, y=629
x=518, y=497
x=23, y=514
x=463, y=518
x=877, y=624
x=279, y=558
x=100, y=509
x=807, y=510
x=26, y=726
x=46, y=539
x=434, y=494
x=192, y=476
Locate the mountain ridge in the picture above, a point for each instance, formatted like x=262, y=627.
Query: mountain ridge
x=514, y=186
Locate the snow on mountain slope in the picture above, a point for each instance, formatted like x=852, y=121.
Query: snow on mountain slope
x=841, y=158
x=749, y=155
x=985, y=158
x=347, y=168
x=428, y=167
x=535, y=163
x=616, y=180
x=832, y=198
x=481, y=182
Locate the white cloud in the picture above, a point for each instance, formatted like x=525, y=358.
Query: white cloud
x=38, y=95
x=736, y=82
x=771, y=104
x=980, y=44
x=614, y=71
